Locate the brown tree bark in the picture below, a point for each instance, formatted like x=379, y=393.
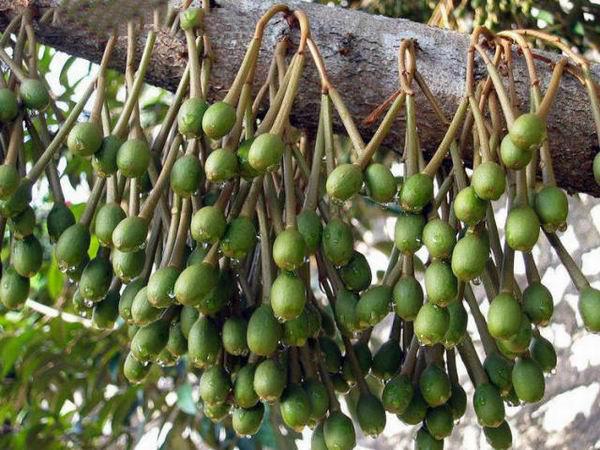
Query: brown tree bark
x=360, y=53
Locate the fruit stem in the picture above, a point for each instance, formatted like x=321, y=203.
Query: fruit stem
x=273, y=204
x=290, y=190
x=265, y=251
x=194, y=64
x=411, y=357
x=577, y=276
x=356, y=369
x=412, y=146
x=493, y=233
x=470, y=359
x=451, y=365
x=307, y=363
x=481, y=129
x=312, y=191
x=320, y=65
x=394, y=269
x=552, y=89
x=92, y=202
x=247, y=64
x=176, y=257
x=334, y=404
x=442, y=192
x=10, y=29
x=531, y=269
x=290, y=94
x=172, y=230
x=347, y=121
x=13, y=66
x=486, y=339
x=95, y=115
x=294, y=365
x=151, y=249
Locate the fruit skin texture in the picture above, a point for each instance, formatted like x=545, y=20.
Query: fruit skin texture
x=127, y=297
x=457, y=401
x=189, y=117
x=9, y=106
x=85, y=139
x=528, y=380
x=288, y=296
x=537, y=303
x=310, y=227
x=18, y=201
x=373, y=305
x=208, y=224
x=439, y=238
x=34, y=94
x=439, y=421
x=380, y=182
x=522, y=228
x=221, y=165
x=469, y=257
x=317, y=398
x=294, y=407
x=504, y=316
x=247, y=422
x=543, y=353
x=434, y=385
x=264, y=331
x=431, y=324
x=468, y=207
x=106, y=311
x=489, y=181
x=344, y=182
x=72, y=246
x=130, y=234
x=345, y=312
x=243, y=388
x=104, y=160
x=265, y=152
x=371, y=415
x=95, y=279
x=512, y=156
x=195, y=283
x=528, y=131
x=416, y=409
x=59, y=219
x=133, y=158
x=14, y=288
x=520, y=341
x=289, y=249
x=214, y=385
x=142, y=312
x=387, y=360
x=150, y=340
x=246, y=170
x=135, y=371
x=186, y=175
x=107, y=219
x=440, y=283
x=397, y=394
x=269, y=381
x=127, y=265
x=408, y=298
x=356, y=275
x=161, y=285
x=9, y=181
x=218, y=120
x=499, y=438
x=339, y=432
x=408, y=232
x=589, y=308
x=27, y=255
x=204, y=343
x=239, y=238
x=416, y=192
x=337, y=242
x=552, y=207
x=425, y=441
x=488, y=405
x=457, y=326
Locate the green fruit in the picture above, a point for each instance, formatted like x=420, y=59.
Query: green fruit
x=431, y=324
x=317, y=440
x=34, y=94
x=130, y=234
x=345, y=312
x=408, y=232
x=340, y=385
x=128, y=265
x=338, y=242
x=416, y=409
x=439, y=238
x=499, y=438
x=234, y=336
x=106, y=311
x=246, y=170
x=504, y=316
x=397, y=394
x=364, y=358
x=439, y=421
x=135, y=371
x=188, y=317
x=528, y=380
x=288, y=296
x=381, y=183
x=74, y=273
x=344, y=182
x=14, y=288
x=528, y=131
x=373, y=305
x=189, y=117
x=425, y=441
x=457, y=327
x=318, y=399
x=71, y=248
x=537, y=303
x=9, y=180
x=204, y=343
x=243, y=388
x=469, y=257
x=219, y=296
x=177, y=343
x=457, y=401
x=218, y=120
x=161, y=287
x=338, y=432
x=23, y=224
x=59, y=219
x=9, y=107
x=214, y=385
x=247, y=422
x=552, y=207
x=499, y=370
x=221, y=165
x=408, y=298
x=522, y=228
x=26, y=256
x=543, y=353
x=95, y=279
x=186, y=175
x=197, y=255
x=133, y=158
x=195, y=283
x=589, y=308
x=265, y=152
x=512, y=156
x=289, y=249
x=127, y=297
x=520, y=341
x=85, y=138
x=18, y=201
x=191, y=18
x=208, y=224
x=434, y=385
x=371, y=415
x=269, y=381
x=104, y=160
x=239, y=238
x=216, y=412
x=387, y=360
x=331, y=354
x=150, y=340
x=489, y=181
x=107, y=219
x=468, y=207
x=311, y=229
x=264, y=331
x=294, y=407
x=142, y=311
x=296, y=331
x=356, y=275
x=488, y=405
x=416, y=192
x=441, y=285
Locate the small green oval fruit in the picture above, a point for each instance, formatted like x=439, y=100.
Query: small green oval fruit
x=317, y=440
x=387, y=360
x=130, y=234
x=191, y=18
x=133, y=158
x=289, y=249
x=331, y=354
x=504, y=316
x=264, y=331
x=104, y=160
x=234, y=336
x=186, y=175
x=552, y=207
x=247, y=422
x=528, y=380
x=512, y=156
x=142, y=311
x=338, y=432
x=204, y=343
x=408, y=298
x=440, y=283
x=27, y=255
x=14, y=288
x=364, y=358
x=188, y=317
x=150, y=340
x=9, y=107
x=195, y=283
x=177, y=343
x=288, y=296
x=311, y=229
x=338, y=242
x=439, y=421
x=589, y=308
x=215, y=385
x=434, y=385
x=542, y=352
x=221, y=165
x=408, y=232
x=499, y=438
x=416, y=192
x=457, y=327
x=318, y=399
x=519, y=343
x=9, y=180
x=59, y=219
x=269, y=381
x=161, y=286
x=489, y=181
x=469, y=257
x=499, y=370
x=127, y=265
x=85, y=139
x=127, y=297
x=373, y=305
x=23, y=224
x=18, y=201
x=425, y=441
x=457, y=401
x=528, y=131
x=381, y=183
x=218, y=120
x=243, y=388
x=522, y=228
x=95, y=279
x=344, y=182
x=239, y=238
x=189, y=117
x=246, y=170
x=488, y=405
x=219, y=296
x=265, y=152
x=439, y=238
x=416, y=410
x=208, y=224
x=356, y=275
x=397, y=394
x=216, y=412
x=34, y=94
x=294, y=407
x=345, y=312
x=107, y=218
x=537, y=303
x=72, y=246
x=371, y=415
x=431, y=324
x=468, y=207
x=135, y=371
x=106, y=311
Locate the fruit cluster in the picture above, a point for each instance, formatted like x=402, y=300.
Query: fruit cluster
x=215, y=235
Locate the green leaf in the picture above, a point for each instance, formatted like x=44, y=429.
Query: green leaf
x=12, y=349
x=55, y=279
x=185, y=401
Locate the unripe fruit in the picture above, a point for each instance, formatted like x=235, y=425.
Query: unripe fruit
x=269, y=381
x=221, y=165
x=9, y=181
x=71, y=247
x=191, y=18
x=537, y=303
x=499, y=438
x=218, y=120
x=469, y=257
x=371, y=415
x=135, y=371
x=504, y=316
x=186, y=175
x=425, y=441
x=265, y=152
x=208, y=224
x=130, y=234
x=338, y=432
x=127, y=265
x=499, y=370
x=127, y=298
x=95, y=279
x=107, y=218
x=387, y=360
x=543, y=353
x=356, y=275
x=317, y=440
x=431, y=324
x=204, y=343
x=488, y=405
x=294, y=407
x=520, y=341
x=318, y=399
x=243, y=389
x=289, y=249
x=344, y=182
x=189, y=117
x=106, y=311
x=296, y=331
x=457, y=401
x=9, y=107
x=408, y=298
x=161, y=286
x=440, y=283
x=264, y=331
x=552, y=207
x=439, y=421
x=142, y=311
x=85, y=139
x=434, y=385
x=59, y=219
x=408, y=232
x=18, y=201
x=364, y=358
x=246, y=170
x=195, y=283
x=133, y=158
x=373, y=305
x=528, y=380
x=522, y=228
x=345, y=312
x=439, y=238
x=589, y=308
x=247, y=422
x=23, y=224
x=239, y=238
x=27, y=255
x=234, y=336
x=528, y=131
x=214, y=385
x=397, y=394
x=310, y=227
x=34, y=94
x=416, y=409
x=188, y=317
x=489, y=181
x=381, y=183
x=216, y=412
x=14, y=288
x=468, y=207
x=177, y=343
x=288, y=296
x=104, y=160
x=219, y=296
x=150, y=340
x=416, y=192
x=338, y=242
x=457, y=327
x=512, y=156
x=330, y=352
